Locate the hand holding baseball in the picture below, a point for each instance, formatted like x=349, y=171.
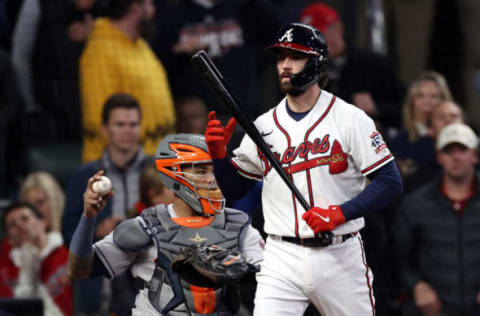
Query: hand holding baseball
x=96, y=195
x=102, y=186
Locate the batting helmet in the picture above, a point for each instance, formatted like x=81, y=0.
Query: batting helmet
x=308, y=40
x=174, y=153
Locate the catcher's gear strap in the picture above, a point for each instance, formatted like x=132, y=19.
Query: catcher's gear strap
x=130, y=236
x=224, y=231
x=202, y=300
x=170, y=238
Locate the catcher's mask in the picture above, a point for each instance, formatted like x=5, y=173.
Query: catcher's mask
x=309, y=41
x=185, y=167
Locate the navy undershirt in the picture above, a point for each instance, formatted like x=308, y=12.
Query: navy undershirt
x=297, y=116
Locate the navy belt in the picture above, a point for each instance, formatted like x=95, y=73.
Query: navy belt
x=315, y=242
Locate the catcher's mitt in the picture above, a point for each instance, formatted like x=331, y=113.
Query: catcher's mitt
x=210, y=266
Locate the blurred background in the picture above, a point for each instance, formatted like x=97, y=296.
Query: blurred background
x=61, y=59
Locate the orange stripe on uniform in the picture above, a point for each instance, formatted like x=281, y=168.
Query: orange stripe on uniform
x=204, y=299
x=193, y=221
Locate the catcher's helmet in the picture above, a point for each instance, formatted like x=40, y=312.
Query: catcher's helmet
x=174, y=153
x=304, y=39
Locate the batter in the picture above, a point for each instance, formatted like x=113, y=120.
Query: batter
x=329, y=148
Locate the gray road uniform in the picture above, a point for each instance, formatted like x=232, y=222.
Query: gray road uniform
x=148, y=243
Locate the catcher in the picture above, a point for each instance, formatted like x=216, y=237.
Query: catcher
x=189, y=254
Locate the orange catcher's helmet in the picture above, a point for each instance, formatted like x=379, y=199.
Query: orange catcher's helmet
x=177, y=159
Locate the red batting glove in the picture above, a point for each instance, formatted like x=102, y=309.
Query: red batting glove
x=217, y=136
x=321, y=220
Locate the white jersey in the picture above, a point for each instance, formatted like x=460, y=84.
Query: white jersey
x=328, y=154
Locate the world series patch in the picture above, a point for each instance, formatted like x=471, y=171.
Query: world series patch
x=377, y=142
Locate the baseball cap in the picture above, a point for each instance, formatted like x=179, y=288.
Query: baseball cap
x=320, y=16
x=457, y=133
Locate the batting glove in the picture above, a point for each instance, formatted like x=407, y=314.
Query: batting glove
x=217, y=136
x=321, y=220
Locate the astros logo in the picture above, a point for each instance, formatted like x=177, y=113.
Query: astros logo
x=197, y=238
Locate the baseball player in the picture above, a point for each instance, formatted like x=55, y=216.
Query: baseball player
x=329, y=148
x=149, y=243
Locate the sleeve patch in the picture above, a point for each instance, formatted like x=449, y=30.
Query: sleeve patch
x=377, y=142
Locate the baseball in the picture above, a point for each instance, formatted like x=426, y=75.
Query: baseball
x=102, y=186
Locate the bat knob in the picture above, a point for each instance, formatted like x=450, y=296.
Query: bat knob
x=326, y=238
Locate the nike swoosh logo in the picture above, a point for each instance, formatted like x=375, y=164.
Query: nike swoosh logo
x=325, y=219
x=266, y=134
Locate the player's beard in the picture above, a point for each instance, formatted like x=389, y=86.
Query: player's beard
x=288, y=88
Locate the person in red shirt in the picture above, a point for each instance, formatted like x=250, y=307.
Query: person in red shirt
x=36, y=264
x=8, y=270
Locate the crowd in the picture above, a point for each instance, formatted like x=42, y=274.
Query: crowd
x=111, y=79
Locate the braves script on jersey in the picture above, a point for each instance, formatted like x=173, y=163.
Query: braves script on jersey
x=328, y=154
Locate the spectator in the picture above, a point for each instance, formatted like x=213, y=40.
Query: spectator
x=362, y=78
x=47, y=42
x=152, y=191
x=436, y=231
x=424, y=95
x=40, y=258
x=118, y=59
x=123, y=161
x=445, y=113
x=232, y=35
x=192, y=114
x=413, y=146
x=42, y=191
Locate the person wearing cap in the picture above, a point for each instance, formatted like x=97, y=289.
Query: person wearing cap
x=436, y=232
x=363, y=78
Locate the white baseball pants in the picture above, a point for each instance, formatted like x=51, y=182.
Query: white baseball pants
x=336, y=279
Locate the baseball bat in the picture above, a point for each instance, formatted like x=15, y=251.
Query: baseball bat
x=210, y=73
x=215, y=80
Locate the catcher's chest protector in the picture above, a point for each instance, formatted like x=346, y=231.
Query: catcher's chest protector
x=166, y=292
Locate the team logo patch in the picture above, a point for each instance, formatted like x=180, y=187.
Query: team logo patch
x=197, y=238
x=377, y=142
x=287, y=36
